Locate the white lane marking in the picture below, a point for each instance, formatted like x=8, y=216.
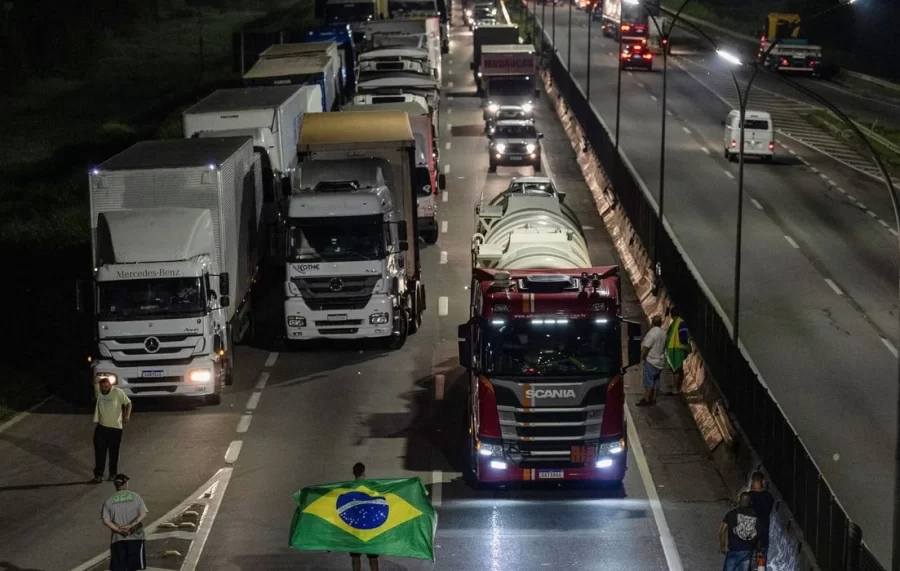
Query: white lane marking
x=450, y=111
x=443, y=226
x=814, y=169
x=439, y=381
x=705, y=150
x=791, y=242
x=686, y=130
x=669, y=113
x=860, y=204
x=653, y=97
x=728, y=174
x=450, y=72
x=437, y=481
x=894, y=232
x=792, y=151
x=443, y=306
x=450, y=84
x=234, y=450
x=447, y=168
x=831, y=182
x=450, y=128
x=641, y=85
x=823, y=175
x=629, y=73
x=872, y=214
x=270, y=360
x=244, y=423
x=611, y=54
x=783, y=145
x=883, y=223
x=670, y=550
x=253, y=401
x=23, y=415
x=756, y=204
x=444, y=257
x=261, y=383
x=586, y=227
x=445, y=196
x=834, y=286
x=842, y=190
x=447, y=146
x=890, y=346
x=461, y=177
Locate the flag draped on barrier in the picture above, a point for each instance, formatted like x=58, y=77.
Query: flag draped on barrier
x=377, y=517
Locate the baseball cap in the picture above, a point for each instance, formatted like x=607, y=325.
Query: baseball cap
x=120, y=479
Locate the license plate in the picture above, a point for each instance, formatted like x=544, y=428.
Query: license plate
x=550, y=474
x=152, y=373
x=582, y=454
x=337, y=317
x=515, y=157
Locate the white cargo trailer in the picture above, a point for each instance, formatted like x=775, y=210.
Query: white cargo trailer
x=174, y=234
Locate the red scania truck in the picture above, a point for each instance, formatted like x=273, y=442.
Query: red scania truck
x=543, y=347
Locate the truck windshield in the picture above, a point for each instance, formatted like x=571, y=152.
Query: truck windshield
x=340, y=239
x=360, y=12
x=515, y=132
x=577, y=347
x=510, y=87
x=412, y=6
x=164, y=298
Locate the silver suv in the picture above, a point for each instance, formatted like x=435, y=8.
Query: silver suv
x=514, y=143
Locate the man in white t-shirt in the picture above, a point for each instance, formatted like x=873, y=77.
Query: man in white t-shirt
x=653, y=359
x=111, y=413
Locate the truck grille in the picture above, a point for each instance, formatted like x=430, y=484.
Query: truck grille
x=153, y=380
x=343, y=323
x=335, y=293
x=339, y=331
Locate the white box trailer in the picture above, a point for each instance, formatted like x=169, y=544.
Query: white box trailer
x=174, y=228
x=330, y=49
x=430, y=26
x=309, y=69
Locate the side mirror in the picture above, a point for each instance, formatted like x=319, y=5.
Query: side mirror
x=224, y=300
x=633, y=330
x=562, y=196
x=80, y=302
x=401, y=229
x=472, y=65
x=540, y=135
x=223, y=285
x=464, y=339
x=404, y=245
x=442, y=181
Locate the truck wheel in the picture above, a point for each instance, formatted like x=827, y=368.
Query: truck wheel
x=537, y=166
x=396, y=342
x=430, y=236
x=214, y=399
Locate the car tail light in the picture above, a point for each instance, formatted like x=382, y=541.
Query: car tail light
x=772, y=145
x=648, y=56
x=624, y=55
x=488, y=416
x=614, y=411
x=626, y=28
x=733, y=143
x=638, y=48
x=784, y=61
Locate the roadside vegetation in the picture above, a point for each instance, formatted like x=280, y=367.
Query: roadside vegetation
x=826, y=121
x=83, y=81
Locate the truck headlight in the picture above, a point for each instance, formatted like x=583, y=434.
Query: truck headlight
x=500, y=147
x=527, y=107
x=615, y=447
x=530, y=147
x=111, y=377
x=296, y=321
x=469, y=13
x=493, y=107
x=199, y=376
x=379, y=318
x=486, y=449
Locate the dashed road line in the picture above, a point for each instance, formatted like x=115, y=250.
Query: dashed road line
x=270, y=360
x=641, y=85
x=450, y=128
x=890, y=346
x=823, y=175
x=234, y=451
x=447, y=146
x=756, y=204
x=842, y=191
x=834, y=286
x=443, y=226
x=791, y=151
x=253, y=401
x=244, y=423
x=883, y=223
x=444, y=257
x=705, y=150
x=686, y=130
x=446, y=169
x=261, y=382
x=450, y=84
x=872, y=214
x=728, y=174
x=443, y=306
x=445, y=196
x=653, y=97
x=669, y=113
x=894, y=232
x=792, y=242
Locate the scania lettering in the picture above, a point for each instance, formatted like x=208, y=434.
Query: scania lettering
x=172, y=283
x=543, y=348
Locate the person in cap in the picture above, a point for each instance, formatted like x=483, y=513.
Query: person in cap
x=124, y=513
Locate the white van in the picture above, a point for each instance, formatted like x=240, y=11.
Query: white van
x=759, y=135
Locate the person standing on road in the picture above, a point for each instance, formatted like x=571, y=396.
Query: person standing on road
x=738, y=535
x=111, y=412
x=124, y=513
x=653, y=357
x=678, y=347
x=359, y=473
x=762, y=502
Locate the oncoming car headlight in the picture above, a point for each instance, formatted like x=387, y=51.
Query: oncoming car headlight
x=500, y=147
x=530, y=147
x=493, y=107
x=527, y=107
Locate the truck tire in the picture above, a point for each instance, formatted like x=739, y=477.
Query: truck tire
x=228, y=376
x=214, y=399
x=430, y=236
x=418, y=309
x=537, y=166
x=396, y=342
x=492, y=167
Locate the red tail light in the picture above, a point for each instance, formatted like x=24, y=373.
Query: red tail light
x=638, y=48
x=772, y=146
x=733, y=143
x=614, y=411
x=488, y=416
x=648, y=56
x=625, y=56
x=784, y=61
x=626, y=27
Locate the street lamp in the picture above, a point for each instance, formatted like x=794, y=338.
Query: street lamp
x=590, y=19
x=569, y=43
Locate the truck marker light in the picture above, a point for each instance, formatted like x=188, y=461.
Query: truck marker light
x=602, y=320
x=605, y=463
x=95, y=172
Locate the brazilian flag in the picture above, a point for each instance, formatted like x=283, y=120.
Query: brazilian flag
x=376, y=517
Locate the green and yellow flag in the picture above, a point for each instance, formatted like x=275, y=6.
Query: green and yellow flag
x=377, y=517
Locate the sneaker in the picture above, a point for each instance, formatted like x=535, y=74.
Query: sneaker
x=110, y=479
x=643, y=402
x=97, y=480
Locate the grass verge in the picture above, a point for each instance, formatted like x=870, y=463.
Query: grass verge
x=828, y=122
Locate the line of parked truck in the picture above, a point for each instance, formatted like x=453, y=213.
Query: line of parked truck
x=322, y=170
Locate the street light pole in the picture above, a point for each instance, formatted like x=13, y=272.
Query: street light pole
x=590, y=19
x=543, y=25
x=569, y=42
x=553, y=25
x=618, y=91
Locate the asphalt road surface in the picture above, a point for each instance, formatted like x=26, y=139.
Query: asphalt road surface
x=298, y=418
x=819, y=271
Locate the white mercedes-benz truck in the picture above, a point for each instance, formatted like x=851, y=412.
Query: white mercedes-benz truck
x=353, y=268
x=174, y=239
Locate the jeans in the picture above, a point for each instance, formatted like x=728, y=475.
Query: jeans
x=106, y=439
x=737, y=561
x=651, y=376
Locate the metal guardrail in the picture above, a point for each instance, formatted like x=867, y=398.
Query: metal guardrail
x=835, y=541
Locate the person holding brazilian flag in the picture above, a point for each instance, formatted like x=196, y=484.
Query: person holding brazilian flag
x=678, y=347
x=375, y=517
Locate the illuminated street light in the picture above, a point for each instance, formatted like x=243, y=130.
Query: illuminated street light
x=729, y=57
